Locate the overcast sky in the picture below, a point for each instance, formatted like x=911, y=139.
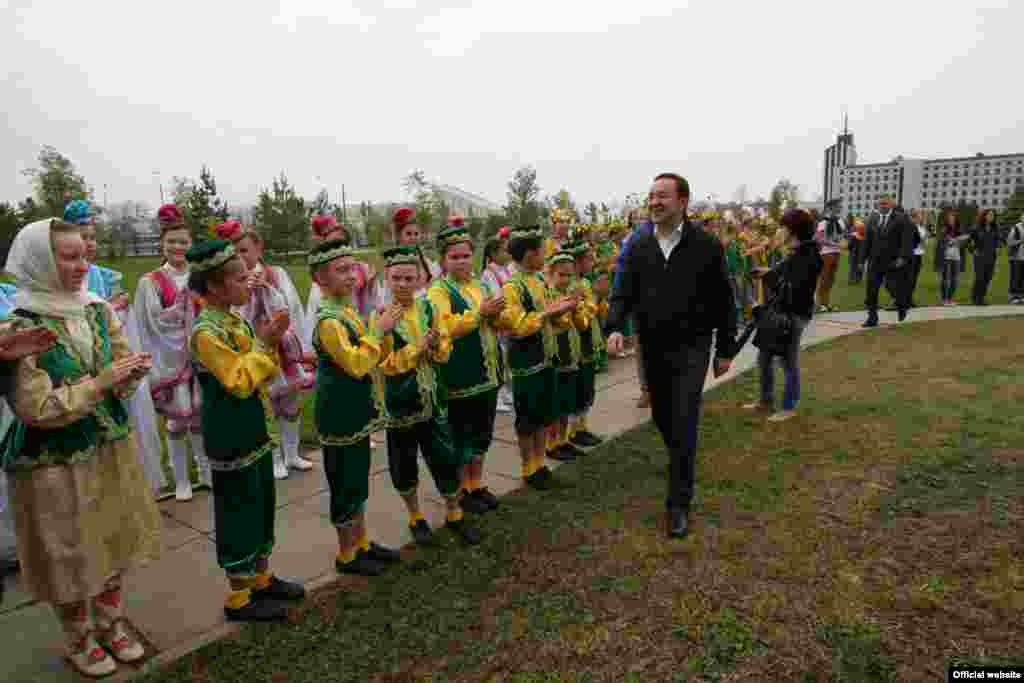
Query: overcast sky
x=599, y=97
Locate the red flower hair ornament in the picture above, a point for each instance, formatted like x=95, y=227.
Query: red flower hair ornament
x=229, y=230
x=169, y=216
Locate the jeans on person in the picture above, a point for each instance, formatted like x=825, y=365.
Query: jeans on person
x=856, y=264
x=790, y=368
x=950, y=279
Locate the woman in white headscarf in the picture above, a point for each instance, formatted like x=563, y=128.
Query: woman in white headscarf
x=83, y=511
x=106, y=283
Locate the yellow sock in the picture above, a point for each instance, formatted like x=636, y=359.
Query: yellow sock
x=415, y=517
x=261, y=581
x=364, y=541
x=527, y=468
x=346, y=556
x=570, y=430
x=454, y=514
x=538, y=462
x=238, y=599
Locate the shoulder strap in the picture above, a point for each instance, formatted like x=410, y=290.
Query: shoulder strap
x=165, y=285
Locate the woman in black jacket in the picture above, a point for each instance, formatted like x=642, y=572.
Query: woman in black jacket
x=801, y=269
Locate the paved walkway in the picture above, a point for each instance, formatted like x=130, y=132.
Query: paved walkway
x=176, y=601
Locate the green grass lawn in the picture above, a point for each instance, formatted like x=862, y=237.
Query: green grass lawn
x=876, y=537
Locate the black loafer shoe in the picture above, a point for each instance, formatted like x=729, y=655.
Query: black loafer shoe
x=280, y=590
x=870, y=322
x=576, y=452
x=562, y=454
x=679, y=524
x=257, y=611
x=361, y=566
x=902, y=315
x=462, y=529
x=488, y=498
x=538, y=480
x=586, y=440
x=422, y=534
x=379, y=553
x=472, y=503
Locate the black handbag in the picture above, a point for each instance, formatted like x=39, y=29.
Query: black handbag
x=775, y=327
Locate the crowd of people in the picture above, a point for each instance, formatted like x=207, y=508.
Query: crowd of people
x=426, y=353
x=215, y=340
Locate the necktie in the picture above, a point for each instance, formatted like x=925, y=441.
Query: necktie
x=885, y=220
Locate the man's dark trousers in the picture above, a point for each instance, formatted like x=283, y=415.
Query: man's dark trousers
x=675, y=381
x=896, y=280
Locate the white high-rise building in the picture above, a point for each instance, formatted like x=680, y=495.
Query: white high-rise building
x=986, y=181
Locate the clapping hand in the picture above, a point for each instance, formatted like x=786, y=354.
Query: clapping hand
x=120, y=302
x=493, y=306
x=128, y=368
x=258, y=279
x=27, y=342
x=273, y=330
x=387, y=318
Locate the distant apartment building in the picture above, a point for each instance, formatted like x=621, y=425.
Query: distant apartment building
x=986, y=181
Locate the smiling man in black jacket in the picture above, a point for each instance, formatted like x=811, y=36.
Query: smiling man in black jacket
x=675, y=284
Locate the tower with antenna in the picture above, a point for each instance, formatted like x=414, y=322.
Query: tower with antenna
x=838, y=156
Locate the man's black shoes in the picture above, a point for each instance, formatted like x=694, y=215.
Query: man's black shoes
x=678, y=523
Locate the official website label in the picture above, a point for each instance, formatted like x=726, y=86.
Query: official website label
x=986, y=673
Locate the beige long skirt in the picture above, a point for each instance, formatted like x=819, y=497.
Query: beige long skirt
x=79, y=525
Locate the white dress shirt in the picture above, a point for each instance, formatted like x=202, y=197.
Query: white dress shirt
x=668, y=244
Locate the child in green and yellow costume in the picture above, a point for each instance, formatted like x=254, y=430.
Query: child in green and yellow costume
x=474, y=371
x=561, y=281
x=527, y=316
x=417, y=400
x=592, y=343
x=234, y=365
x=349, y=402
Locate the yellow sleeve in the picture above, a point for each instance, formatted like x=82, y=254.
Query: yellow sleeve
x=398, y=362
x=444, y=347
x=38, y=403
x=562, y=322
x=356, y=361
x=514, y=318
x=241, y=374
x=581, y=315
x=454, y=326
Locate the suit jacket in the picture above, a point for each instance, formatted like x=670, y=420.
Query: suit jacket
x=679, y=304
x=882, y=250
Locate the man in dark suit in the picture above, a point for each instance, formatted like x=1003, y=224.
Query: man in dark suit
x=889, y=251
x=675, y=284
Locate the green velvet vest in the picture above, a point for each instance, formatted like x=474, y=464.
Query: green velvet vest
x=420, y=394
x=234, y=429
x=348, y=409
x=24, y=446
x=529, y=355
x=474, y=366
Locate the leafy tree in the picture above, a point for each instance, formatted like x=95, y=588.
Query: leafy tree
x=785, y=195
x=200, y=205
x=523, y=192
x=29, y=211
x=10, y=224
x=56, y=182
x=282, y=217
x=1014, y=207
